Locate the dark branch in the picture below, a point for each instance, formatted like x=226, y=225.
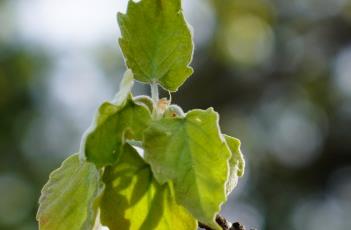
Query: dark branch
x=237, y=226
x=225, y=225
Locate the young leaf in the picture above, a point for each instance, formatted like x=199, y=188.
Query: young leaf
x=191, y=153
x=156, y=42
x=125, y=88
x=145, y=100
x=113, y=126
x=115, y=122
x=67, y=200
x=174, y=111
x=236, y=163
x=133, y=199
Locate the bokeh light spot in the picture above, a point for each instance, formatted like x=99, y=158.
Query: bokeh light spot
x=248, y=40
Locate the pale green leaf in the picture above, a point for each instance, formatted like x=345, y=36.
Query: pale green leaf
x=145, y=100
x=68, y=199
x=134, y=200
x=156, y=42
x=191, y=152
x=125, y=88
x=236, y=163
x=114, y=125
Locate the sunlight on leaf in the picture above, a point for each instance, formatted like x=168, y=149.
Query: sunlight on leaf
x=125, y=88
x=145, y=100
x=114, y=125
x=68, y=199
x=156, y=42
x=133, y=199
x=236, y=163
x=191, y=152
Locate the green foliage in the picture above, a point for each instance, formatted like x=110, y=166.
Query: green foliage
x=145, y=100
x=189, y=166
x=156, y=42
x=190, y=152
x=236, y=162
x=68, y=199
x=115, y=124
x=133, y=199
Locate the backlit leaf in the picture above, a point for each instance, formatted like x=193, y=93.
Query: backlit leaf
x=145, y=100
x=191, y=152
x=113, y=126
x=68, y=199
x=236, y=163
x=125, y=88
x=134, y=200
x=115, y=123
x=156, y=42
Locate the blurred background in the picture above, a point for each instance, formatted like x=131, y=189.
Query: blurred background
x=278, y=72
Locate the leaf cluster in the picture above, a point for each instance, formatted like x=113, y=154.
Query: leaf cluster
x=144, y=163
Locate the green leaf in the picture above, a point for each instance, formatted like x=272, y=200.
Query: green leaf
x=115, y=123
x=125, y=88
x=236, y=163
x=68, y=199
x=113, y=126
x=133, y=199
x=145, y=100
x=156, y=42
x=192, y=153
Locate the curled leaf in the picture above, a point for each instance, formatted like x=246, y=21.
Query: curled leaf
x=236, y=163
